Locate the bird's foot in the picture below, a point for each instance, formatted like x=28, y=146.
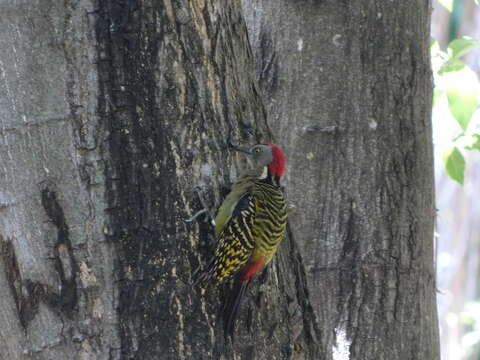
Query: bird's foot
x=196, y=215
x=204, y=211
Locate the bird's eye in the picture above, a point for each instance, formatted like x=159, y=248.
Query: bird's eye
x=258, y=150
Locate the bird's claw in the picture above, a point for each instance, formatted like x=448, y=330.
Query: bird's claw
x=196, y=215
x=204, y=209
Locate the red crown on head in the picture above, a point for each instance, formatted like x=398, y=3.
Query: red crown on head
x=277, y=166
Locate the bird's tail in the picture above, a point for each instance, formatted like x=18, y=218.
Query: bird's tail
x=230, y=311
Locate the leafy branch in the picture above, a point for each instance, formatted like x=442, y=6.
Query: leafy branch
x=455, y=81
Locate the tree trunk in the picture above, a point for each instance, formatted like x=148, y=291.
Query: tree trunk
x=347, y=89
x=111, y=113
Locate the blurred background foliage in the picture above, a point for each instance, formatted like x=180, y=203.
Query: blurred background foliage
x=456, y=131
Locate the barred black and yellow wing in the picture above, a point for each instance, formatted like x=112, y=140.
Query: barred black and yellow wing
x=270, y=219
x=235, y=244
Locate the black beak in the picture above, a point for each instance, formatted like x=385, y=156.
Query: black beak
x=240, y=149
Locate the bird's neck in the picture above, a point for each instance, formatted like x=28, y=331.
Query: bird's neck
x=271, y=178
x=263, y=174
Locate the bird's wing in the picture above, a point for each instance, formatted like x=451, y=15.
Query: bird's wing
x=239, y=190
x=235, y=243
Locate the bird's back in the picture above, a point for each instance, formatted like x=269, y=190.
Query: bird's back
x=249, y=226
x=270, y=219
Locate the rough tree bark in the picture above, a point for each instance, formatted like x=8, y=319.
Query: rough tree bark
x=347, y=89
x=111, y=113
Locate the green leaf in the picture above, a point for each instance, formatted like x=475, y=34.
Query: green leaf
x=459, y=47
x=454, y=164
x=474, y=142
x=463, y=90
x=453, y=64
x=447, y=4
x=462, y=106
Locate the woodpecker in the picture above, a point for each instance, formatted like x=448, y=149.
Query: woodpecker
x=249, y=226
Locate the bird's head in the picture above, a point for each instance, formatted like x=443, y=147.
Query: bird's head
x=266, y=155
